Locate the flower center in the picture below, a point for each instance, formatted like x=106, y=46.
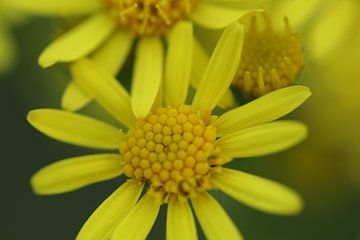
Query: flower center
x=173, y=150
x=270, y=59
x=148, y=17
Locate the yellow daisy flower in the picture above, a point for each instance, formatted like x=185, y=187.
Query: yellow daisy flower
x=8, y=17
x=271, y=58
x=114, y=25
x=174, y=154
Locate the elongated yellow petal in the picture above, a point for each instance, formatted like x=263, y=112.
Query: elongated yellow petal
x=74, y=173
x=263, y=139
x=180, y=222
x=331, y=28
x=214, y=16
x=114, y=52
x=100, y=85
x=75, y=129
x=201, y=60
x=7, y=49
x=264, y=109
x=102, y=223
x=148, y=74
x=79, y=41
x=241, y=3
x=259, y=193
x=74, y=98
x=179, y=63
x=55, y=7
x=214, y=221
x=221, y=69
x=138, y=222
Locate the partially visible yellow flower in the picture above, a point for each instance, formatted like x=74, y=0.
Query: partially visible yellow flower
x=271, y=58
x=176, y=152
x=113, y=26
x=8, y=17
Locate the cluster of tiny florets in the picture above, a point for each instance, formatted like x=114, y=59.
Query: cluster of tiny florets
x=148, y=17
x=270, y=60
x=172, y=150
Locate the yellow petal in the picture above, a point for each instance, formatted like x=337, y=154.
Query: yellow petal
x=241, y=3
x=331, y=27
x=108, y=92
x=259, y=193
x=179, y=63
x=201, y=59
x=75, y=129
x=264, y=109
x=221, y=69
x=180, y=222
x=214, y=221
x=79, y=41
x=112, y=55
x=7, y=49
x=148, y=71
x=138, y=222
x=74, y=173
x=55, y=7
x=102, y=223
x=263, y=139
x=214, y=16
x=74, y=98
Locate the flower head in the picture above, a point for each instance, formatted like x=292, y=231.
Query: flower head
x=271, y=59
x=175, y=153
x=112, y=26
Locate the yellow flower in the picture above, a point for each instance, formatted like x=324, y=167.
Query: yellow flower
x=271, y=58
x=174, y=154
x=8, y=17
x=113, y=25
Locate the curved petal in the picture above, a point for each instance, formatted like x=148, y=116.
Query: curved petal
x=264, y=109
x=240, y=3
x=79, y=41
x=263, y=139
x=75, y=129
x=179, y=63
x=112, y=55
x=138, y=222
x=214, y=221
x=148, y=74
x=102, y=223
x=74, y=98
x=213, y=16
x=55, y=7
x=259, y=193
x=74, y=173
x=100, y=85
x=221, y=69
x=180, y=222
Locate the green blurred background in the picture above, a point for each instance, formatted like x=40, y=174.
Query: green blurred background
x=325, y=169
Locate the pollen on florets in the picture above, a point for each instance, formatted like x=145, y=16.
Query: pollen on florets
x=149, y=17
x=173, y=150
x=270, y=59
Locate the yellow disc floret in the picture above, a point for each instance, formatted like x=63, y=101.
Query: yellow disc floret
x=173, y=150
x=148, y=17
x=270, y=59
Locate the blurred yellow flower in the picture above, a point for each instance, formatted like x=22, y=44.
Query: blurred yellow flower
x=114, y=25
x=8, y=17
x=271, y=58
x=175, y=152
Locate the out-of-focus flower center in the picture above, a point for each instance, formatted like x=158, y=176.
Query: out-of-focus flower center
x=173, y=150
x=149, y=17
x=270, y=59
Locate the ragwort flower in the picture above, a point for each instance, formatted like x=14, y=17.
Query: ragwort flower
x=176, y=153
x=113, y=26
